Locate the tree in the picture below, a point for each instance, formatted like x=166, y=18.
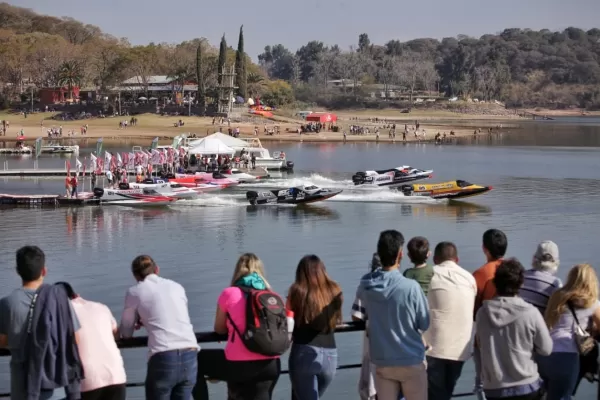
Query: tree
x=256, y=84
x=70, y=75
x=364, y=43
x=278, y=93
x=240, y=66
x=201, y=95
x=222, y=59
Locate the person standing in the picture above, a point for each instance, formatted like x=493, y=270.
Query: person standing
x=74, y=185
x=160, y=305
x=397, y=312
x=451, y=298
x=541, y=280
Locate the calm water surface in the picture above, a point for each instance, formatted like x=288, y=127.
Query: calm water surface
x=543, y=192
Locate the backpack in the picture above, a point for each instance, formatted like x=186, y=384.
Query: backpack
x=266, y=325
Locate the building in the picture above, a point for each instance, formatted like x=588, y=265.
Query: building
x=54, y=95
x=155, y=86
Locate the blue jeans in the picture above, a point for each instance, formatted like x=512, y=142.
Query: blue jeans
x=560, y=372
x=311, y=370
x=171, y=375
x=442, y=376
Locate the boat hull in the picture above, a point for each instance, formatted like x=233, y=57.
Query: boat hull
x=60, y=149
x=130, y=197
x=445, y=191
x=285, y=197
x=392, y=178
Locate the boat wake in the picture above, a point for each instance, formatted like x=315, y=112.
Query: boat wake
x=207, y=200
x=382, y=196
x=313, y=179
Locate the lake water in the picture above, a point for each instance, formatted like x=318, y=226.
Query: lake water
x=547, y=191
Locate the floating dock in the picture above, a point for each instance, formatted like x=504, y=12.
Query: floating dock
x=36, y=200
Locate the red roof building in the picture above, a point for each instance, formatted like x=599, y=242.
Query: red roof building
x=53, y=95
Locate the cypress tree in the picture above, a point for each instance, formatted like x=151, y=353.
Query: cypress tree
x=240, y=66
x=200, y=77
x=222, y=59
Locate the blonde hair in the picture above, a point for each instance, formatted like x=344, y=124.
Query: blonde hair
x=247, y=264
x=581, y=291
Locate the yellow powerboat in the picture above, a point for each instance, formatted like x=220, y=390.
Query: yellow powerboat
x=451, y=190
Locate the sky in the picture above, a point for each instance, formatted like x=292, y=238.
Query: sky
x=294, y=23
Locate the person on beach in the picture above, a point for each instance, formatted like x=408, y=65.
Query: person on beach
x=248, y=375
x=451, y=298
x=574, y=305
x=541, y=281
x=316, y=301
x=105, y=376
x=160, y=306
x=509, y=332
x=397, y=311
x=418, y=253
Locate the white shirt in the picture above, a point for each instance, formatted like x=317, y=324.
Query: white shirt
x=451, y=300
x=161, y=306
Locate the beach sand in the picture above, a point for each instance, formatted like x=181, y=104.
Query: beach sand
x=151, y=126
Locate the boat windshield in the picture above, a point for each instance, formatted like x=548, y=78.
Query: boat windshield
x=313, y=187
x=150, y=191
x=463, y=184
x=176, y=185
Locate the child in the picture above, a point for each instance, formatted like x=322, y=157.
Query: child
x=418, y=253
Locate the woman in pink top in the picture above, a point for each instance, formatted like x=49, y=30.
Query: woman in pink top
x=102, y=362
x=249, y=376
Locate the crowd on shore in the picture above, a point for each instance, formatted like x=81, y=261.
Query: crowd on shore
x=530, y=335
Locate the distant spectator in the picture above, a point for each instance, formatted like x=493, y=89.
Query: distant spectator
x=451, y=298
x=508, y=332
x=102, y=362
x=17, y=310
x=418, y=253
x=316, y=301
x=397, y=312
x=540, y=281
x=160, y=305
x=248, y=375
x=574, y=304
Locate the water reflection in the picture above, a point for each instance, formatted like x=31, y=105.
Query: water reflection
x=461, y=211
x=295, y=213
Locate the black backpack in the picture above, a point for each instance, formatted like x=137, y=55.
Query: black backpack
x=266, y=324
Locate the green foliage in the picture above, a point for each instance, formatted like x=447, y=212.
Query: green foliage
x=201, y=96
x=222, y=59
x=240, y=66
x=278, y=93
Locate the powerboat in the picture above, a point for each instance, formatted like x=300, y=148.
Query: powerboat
x=294, y=195
x=58, y=149
x=451, y=190
x=390, y=177
x=240, y=176
x=123, y=197
x=165, y=188
x=202, y=177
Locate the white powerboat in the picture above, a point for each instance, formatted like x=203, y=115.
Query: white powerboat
x=58, y=149
x=240, y=176
x=124, y=197
x=164, y=188
x=390, y=177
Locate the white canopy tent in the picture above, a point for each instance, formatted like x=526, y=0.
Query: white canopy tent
x=226, y=139
x=210, y=145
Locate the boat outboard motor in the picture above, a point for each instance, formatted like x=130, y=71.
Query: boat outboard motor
x=289, y=164
x=359, y=178
x=218, y=175
x=98, y=192
x=407, y=190
x=123, y=185
x=251, y=196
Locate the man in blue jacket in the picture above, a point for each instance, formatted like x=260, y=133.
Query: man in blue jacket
x=398, y=313
x=15, y=310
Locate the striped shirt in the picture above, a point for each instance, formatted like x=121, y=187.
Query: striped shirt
x=537, y=288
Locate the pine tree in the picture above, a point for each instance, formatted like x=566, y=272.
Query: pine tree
x=200, y=77
x=240, y=66
x=222, y=59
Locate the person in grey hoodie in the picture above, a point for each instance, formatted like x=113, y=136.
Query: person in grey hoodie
x=509, y=331
x=397, y=312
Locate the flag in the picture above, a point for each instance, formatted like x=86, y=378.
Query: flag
x=93, y=164
x=119, y=160
x=132, y=160
x=99, y=147
x=78, y=165
x=68, y=167
x=176, y=142
x=38, y=147
x=107, y=159
x=154, y=143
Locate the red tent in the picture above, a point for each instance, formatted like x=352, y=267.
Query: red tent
x=322, y=117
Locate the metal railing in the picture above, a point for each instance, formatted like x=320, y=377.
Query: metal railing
x=212, y=337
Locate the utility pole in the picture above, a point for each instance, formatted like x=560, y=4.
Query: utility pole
x=32, y=99
x=119, y=102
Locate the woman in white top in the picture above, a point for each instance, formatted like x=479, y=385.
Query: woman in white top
x=576, y=301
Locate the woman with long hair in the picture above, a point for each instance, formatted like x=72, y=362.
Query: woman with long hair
x=316, y=301
x=249, y=376
x=576, y=301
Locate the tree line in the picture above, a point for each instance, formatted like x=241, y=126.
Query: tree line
x=520, y=67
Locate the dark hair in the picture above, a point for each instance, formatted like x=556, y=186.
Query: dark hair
x=389, y=245
x=314, y=297
x=444, y=251
x=509, y=277
x=142, y=266
x=495, y=242
x=417, y=249
x=31, y=261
